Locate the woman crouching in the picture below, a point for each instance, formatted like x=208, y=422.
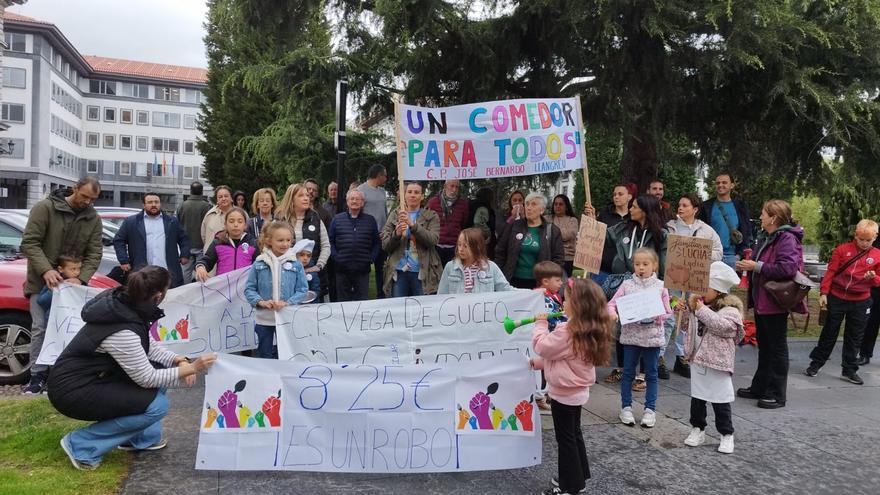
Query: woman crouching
x=105, y=373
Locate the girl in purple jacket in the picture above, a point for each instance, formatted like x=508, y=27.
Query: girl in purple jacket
x=233, y=248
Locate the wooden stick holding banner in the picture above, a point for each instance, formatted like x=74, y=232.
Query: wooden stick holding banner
x=400, y=147
x=584, y=151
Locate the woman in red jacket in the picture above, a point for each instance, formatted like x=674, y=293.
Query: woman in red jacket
x=846, y=293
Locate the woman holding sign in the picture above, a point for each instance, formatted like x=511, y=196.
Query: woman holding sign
x=106, y=373
x=409, y=239
x=527, y=241
x=564, y=218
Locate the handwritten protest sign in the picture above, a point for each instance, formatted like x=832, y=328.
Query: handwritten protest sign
x=590, y=244
x=426, y=329
x=213, y=316
x=263, y=414
x=490, y=140
x=687, y=263
x=641, y=305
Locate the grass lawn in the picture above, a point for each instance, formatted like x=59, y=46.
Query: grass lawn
x=31, y=459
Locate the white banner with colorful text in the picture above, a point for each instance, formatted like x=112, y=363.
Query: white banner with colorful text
x=489, y=140
x=263, y=414
x=213, y=316
x=411, y=330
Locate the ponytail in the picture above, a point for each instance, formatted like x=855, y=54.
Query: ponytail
x=147, y=282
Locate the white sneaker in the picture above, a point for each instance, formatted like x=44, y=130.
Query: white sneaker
x=695, y=438
x=726, y=446
x=626, y=416
x=649, y=419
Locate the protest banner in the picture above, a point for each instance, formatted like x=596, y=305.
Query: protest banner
x=263, y=414
x=425, y=329
x=687, y=263
x=489, y=140
x=641, y=305
x=213, y=316
x=590, y=244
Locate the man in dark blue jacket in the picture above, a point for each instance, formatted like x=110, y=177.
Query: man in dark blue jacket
x=152, y=238
x=730, y=219
x=354, y=244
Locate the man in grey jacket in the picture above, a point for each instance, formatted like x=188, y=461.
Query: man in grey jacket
x=190, y=215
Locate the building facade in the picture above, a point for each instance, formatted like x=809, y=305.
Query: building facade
x=130, y=124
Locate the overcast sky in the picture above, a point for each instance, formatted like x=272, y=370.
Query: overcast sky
x=162, y=31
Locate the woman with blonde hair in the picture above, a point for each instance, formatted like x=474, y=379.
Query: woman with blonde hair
x=409, y=238
x=263, y=208
x=780, y=255
x=295, y=208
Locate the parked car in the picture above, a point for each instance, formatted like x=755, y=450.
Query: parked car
x=13, y=222
x=15, y=317
x=114, y=215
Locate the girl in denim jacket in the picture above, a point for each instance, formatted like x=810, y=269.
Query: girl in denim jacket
x=276, y=279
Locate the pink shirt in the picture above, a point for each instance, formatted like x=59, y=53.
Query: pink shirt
x=568, y=377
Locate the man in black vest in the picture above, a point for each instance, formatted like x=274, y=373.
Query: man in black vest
x=354, y=244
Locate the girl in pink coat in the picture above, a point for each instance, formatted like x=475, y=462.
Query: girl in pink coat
x=569, y=356
x=714, y=328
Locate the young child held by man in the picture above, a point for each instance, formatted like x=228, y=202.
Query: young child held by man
x=69, y=267
x=715, y=326
x=549, y=277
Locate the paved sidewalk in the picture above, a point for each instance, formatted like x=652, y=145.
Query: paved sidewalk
x=826, y=440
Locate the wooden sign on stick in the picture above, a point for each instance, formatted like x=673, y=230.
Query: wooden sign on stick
x=687, y=263
x=590, y=243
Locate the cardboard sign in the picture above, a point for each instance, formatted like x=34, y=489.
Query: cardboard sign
x=490, y=140
x=641, y=305
x=590, y=244
x=264, y=414
x=687, y=263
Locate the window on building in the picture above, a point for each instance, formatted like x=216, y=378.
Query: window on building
x=192, y=96
x=102, y=87
x=110, y=141
x=167, y=93
x=12, y=112
x=169, y=145
x=93, y=113
x=166, y=119
x=143, y=117
x=142, y=143
x=109, y=167
x=15, y=41
x=189, y=121
x=92, y=139
x=187, y=172
x=125, y=142
x=109, y=114
x=189, y=147
x=92, y=167
x=125, y=115
x=66, y=70
x=17, y=146
x=135, y=90
x=140, y=169
x=14, y=77
x=124, y=168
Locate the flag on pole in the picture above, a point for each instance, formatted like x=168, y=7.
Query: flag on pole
x=155, y=165
x=164, y=166
x=173, y=171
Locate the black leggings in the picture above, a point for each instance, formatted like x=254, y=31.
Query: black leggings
x=723, y=416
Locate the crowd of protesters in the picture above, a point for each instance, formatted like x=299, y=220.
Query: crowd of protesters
x=446, y=243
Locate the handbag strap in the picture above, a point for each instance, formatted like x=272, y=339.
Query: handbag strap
x=724, y=216
x=849, y=263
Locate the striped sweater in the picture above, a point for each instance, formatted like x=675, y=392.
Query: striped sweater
x=125, y=347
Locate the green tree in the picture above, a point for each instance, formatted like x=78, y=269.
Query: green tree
x=848, y=202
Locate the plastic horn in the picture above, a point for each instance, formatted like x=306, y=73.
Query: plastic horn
x=511, y=325
x=744, y=280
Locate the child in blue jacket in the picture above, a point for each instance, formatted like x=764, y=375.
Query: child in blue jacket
x=276, y=279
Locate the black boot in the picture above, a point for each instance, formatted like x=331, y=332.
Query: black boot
x=863, y=360
x=682, y=367
x=662, y=370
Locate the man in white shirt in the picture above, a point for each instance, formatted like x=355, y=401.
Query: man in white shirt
x=152, y=238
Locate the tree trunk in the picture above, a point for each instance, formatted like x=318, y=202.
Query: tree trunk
x=639, y=161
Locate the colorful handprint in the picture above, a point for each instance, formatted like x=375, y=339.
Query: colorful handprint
x=182, y=328
x=523, y=411
x=479, y=406
x=154, y=330
x=228, y=402
x=261, y=419
x=497, y=416
x=212, y=416
x=511, y=420
x=244, y=413
x=473, y=422
x=463, y=417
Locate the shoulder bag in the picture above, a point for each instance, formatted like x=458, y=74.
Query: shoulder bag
x=788, y=294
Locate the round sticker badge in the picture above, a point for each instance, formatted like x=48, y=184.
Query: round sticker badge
x=482, y=274
x=311, y=228
x=519, y=236
x=245, y=247
x=869, y=261
x=287, y=265
x=309, y=277
x=626, y=240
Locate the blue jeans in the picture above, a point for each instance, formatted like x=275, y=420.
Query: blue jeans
x=631, y=356
x=729, y=260
x=407, y=284
x=89, y=444
x=266, y=348
x=668, y=328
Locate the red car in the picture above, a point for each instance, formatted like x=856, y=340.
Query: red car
x=15, y=318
